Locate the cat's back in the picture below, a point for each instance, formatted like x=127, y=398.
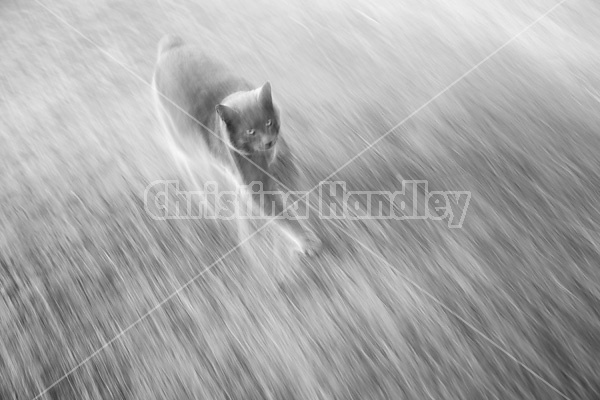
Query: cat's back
x=193, y=78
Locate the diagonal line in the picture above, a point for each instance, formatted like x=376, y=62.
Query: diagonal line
x=463, y=320
x=424, y=105
x=306, y=194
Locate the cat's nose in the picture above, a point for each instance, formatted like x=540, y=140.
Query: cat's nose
x=270, y=144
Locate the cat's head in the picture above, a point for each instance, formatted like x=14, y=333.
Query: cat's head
x=251, y=120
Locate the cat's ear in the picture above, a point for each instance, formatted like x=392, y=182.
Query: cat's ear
x=264, y=96
x=226, y=113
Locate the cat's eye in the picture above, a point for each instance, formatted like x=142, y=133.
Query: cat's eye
x=269, y=122
x=250, y=131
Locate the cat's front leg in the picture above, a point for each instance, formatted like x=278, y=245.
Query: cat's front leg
x=298, y=231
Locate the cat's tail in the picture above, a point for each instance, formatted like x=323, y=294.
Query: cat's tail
x=168, y=42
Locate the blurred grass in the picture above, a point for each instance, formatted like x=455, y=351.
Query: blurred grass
x=80, y=260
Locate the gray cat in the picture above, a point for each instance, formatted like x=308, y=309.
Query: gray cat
x=194, y=92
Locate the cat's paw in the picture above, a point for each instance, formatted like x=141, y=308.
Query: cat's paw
x=311, y=245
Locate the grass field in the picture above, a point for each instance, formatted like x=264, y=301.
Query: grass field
x=506, y=307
